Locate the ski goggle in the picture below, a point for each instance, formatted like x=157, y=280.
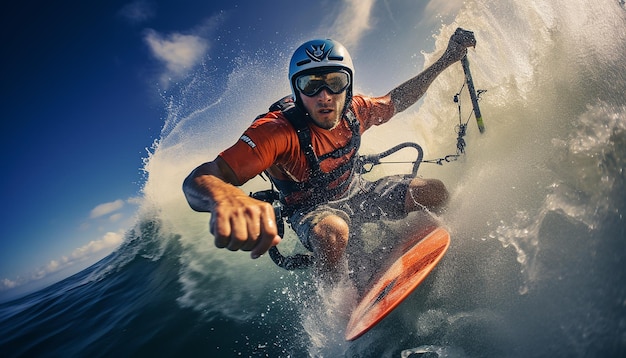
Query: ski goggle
x=310, y=85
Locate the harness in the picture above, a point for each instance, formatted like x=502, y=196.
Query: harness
x=294, y=195
x=321, y=186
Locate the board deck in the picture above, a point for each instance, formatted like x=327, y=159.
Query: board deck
x=417, y=259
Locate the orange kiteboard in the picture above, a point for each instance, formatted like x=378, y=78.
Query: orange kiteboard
x=418, y=257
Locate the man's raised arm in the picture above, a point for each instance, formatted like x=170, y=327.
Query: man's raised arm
x=406, y=94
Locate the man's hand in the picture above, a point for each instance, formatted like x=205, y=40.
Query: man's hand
x=458, y=44
x=244, y=223
x=406, y=94
x=238, y=221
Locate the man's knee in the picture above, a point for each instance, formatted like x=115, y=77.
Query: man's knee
x=332, y=230
x=439, y=192
x=328, y=239
x=431, y=193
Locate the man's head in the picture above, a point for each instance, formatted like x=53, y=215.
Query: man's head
x=321, y=78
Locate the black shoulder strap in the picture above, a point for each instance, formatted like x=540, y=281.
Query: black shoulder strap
x=298, y=119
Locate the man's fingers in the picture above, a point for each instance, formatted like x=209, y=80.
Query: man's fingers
x=229, y=231
x=264, y=245
x=220, y=229
x=238, y=233
x=269, y=235
x=251, y=229
x=464, y=37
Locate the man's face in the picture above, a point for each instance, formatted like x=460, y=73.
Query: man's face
x=325, y=108
x=324, y=96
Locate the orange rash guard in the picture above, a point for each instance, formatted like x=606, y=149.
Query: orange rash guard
x=271, y=142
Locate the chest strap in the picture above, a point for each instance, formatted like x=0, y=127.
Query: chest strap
x=317, y=187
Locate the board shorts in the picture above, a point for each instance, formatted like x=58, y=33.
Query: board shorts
x=364, y=201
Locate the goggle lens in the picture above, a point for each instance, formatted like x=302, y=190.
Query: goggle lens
x=335, y=82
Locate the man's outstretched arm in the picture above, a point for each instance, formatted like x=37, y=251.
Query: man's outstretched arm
x=406, y=94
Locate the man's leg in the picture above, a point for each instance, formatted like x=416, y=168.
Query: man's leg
x=426, y=193
x=329, y=239
x=325, y=232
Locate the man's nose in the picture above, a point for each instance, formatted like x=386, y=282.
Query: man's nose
x=324, y=93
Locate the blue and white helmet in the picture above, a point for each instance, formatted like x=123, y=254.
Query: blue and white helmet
x=319, y=55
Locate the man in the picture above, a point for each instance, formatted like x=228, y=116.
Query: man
x=322, y=192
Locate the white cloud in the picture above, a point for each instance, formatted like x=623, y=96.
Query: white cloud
x=135, y=200
x=436, y=9
x=137, y=11
x=116, y=217
x=179, y=53
x=353, y=21
x=109, y=241
x=106, y=208
x=6, y=284
x=53, y=266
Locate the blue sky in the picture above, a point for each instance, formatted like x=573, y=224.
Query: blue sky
x=82, y=105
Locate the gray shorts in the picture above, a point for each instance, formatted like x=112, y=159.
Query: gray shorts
x=365, y=201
